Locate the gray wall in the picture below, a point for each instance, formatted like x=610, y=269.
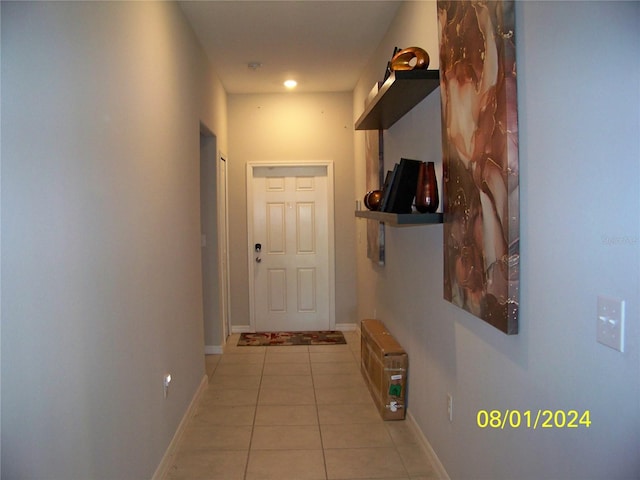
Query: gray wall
x=101, y=104
x=292, y=127
x=579, y=97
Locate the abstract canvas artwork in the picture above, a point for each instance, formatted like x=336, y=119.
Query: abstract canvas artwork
x=480, y=159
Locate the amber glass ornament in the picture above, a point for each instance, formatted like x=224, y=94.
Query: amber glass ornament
x=372, y=199
x=412, y=58
x=427, y=199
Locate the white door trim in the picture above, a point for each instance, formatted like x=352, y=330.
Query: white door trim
x=330, y=232
x=223, y=245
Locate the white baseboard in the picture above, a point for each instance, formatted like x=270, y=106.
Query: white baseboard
x=169, y=455
x=424, y=443
x=213, y=350
x=346, y=327
x=241, y=329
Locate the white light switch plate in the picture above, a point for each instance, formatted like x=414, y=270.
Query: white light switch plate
x=610, y=322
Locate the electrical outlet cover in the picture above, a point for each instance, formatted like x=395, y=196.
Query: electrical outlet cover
x=610, y=322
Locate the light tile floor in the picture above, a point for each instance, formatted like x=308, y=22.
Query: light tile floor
x=294, y=413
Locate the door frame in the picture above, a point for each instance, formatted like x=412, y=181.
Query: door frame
x=328, y=164
x=214, y=221
x=223, y=245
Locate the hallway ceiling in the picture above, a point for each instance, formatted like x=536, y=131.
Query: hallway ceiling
x=324, y=45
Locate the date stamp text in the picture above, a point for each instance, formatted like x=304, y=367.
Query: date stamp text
x=533, y=419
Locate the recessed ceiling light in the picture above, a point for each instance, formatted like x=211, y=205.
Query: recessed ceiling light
x=290, y=83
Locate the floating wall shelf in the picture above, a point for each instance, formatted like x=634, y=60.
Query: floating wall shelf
x=402, y=91
x=401, y=219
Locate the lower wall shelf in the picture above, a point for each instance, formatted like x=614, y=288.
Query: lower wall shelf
x=401, y=219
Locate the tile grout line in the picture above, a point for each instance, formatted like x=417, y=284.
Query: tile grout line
x=315, y=401
x=255, y=414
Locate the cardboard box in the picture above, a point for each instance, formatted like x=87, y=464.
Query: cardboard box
x=384, y=365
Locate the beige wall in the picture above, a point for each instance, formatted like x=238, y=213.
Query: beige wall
x=101, y=291
x=578, y=134
x=292, y=127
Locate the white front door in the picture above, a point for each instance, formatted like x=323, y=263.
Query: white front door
x=291, y=247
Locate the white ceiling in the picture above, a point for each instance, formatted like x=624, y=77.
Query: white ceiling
x=322, y=44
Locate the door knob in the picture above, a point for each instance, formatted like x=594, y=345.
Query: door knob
x=258, y=259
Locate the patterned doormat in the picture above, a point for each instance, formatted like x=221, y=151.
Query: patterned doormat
x=291, y=338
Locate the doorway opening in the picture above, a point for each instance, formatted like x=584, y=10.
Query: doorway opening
x=214, y=251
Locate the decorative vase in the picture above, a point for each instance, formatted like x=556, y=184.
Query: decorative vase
x=427, y=199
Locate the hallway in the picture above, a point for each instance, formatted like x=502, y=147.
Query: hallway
x=294, y=413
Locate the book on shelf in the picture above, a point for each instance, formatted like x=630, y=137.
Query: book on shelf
x=402, y=187
x=386, y=187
